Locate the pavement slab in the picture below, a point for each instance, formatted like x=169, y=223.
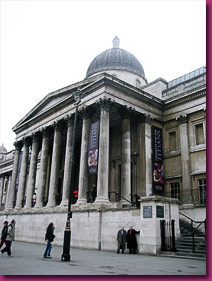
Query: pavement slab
x=27, y=259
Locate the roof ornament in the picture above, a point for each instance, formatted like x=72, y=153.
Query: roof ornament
x=116, y=42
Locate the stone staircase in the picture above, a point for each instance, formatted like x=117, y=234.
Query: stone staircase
x=184, y=244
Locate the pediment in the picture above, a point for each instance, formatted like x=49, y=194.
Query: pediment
x=51, y=101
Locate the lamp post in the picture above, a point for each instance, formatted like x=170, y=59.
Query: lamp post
x=67, y=233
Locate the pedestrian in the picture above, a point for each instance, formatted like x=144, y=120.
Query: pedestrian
x=121, y=240
x=49, y=238
x=93, y=191
x=9, y=238
x=4, y=233
x=75, y=195
x=132, y=244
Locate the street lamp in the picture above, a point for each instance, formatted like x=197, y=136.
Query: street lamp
x=67, y=233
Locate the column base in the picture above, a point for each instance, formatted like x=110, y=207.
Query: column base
x=51, y=204
x=18, y=207
x=27, y=207
x=81, y=201
x=38, y=205
x=101, y=200
x=64, y=203
x=188, y=206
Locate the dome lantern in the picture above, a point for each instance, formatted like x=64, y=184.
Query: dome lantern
x=116, y=42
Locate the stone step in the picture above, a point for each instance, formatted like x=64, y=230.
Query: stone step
x=189, y=250
x=183, y=255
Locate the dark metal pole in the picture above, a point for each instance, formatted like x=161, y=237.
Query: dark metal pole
x=173, y=248
x=163, y=237
x=67, y=233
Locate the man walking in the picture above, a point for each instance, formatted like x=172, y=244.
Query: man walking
x=9, y=238
x=121, y=240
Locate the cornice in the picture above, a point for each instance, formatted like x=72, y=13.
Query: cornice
x=185, y=99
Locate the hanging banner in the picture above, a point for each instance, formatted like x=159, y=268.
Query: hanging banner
x=157, y=165
x=93, y=148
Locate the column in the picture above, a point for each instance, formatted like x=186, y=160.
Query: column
x=6, y=189
x=126, y=160
x=185, y=160
x=1, y=189
x=32, y=172
x=55, y=165
x=148, y=155
x=145, y=156
x=43, y=168
x=23, y=174
x=83, y=175
x=103, y=165
x=67, y=167
x=11, y=191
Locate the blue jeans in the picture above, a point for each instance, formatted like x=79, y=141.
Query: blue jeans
x=48, y=249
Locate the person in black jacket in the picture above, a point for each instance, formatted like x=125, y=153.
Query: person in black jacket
x=49, y=238
x=4, y=233
x=131, y=240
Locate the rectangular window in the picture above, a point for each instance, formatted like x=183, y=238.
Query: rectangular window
x=202, y=191
x=172, y=141
x=175, y=190
x=199, y=134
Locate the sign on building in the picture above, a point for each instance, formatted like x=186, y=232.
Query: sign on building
x=93, y=148
x=157, y=161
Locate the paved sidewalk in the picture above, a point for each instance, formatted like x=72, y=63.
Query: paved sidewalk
x=27, y=259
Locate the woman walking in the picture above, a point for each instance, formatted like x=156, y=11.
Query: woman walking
x=49, y=238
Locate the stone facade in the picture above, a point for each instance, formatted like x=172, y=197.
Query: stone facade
x=35, y=182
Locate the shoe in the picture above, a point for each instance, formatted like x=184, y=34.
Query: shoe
x=49, y=257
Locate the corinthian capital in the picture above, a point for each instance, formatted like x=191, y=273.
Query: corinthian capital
x=126, y=112
x=182, y=118
x=58, y=126
x=18, y=145
x=104, y=104
x=147, y=118
x=86, y=112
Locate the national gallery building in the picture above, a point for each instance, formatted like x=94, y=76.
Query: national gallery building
x=139, y=156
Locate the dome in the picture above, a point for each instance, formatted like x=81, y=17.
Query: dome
x=3, y=149
x=115, y=59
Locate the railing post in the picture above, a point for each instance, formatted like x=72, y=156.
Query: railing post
x=173, y=248
x=162, y=231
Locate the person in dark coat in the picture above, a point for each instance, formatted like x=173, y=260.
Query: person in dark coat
x=4, y=233
x=49, y=238
x=9, y=238
x=121, y=240
x=132, y=244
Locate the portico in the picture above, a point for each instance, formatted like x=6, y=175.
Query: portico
x=35, y=185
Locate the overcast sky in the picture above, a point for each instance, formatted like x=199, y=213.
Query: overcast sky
x=47, y=45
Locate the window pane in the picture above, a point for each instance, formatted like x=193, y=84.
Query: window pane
x=172, y=141
x=202, y=191
x=199, y=134
x=175, y=190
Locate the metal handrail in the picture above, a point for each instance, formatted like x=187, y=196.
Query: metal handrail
x=121, y=196
x=194, y=230
x=190, y=218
